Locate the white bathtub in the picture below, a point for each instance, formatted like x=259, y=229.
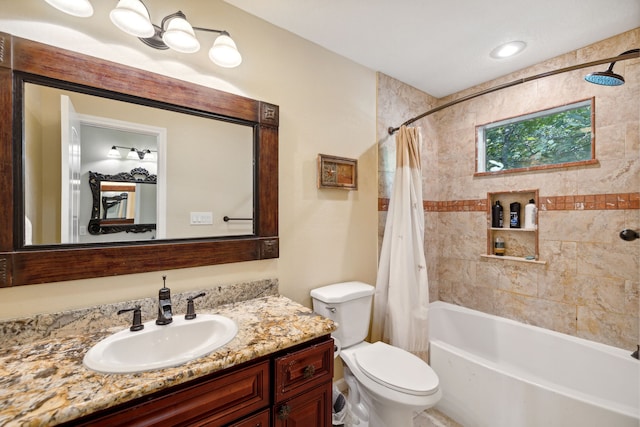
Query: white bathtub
x=497, y=372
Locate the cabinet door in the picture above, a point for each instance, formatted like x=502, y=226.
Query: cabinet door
x=214, y=402
x=310, y=409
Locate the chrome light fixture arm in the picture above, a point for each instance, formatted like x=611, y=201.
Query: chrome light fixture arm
x=156, y=41
x=177, y=33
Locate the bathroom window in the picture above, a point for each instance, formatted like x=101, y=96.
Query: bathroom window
x=558, y=137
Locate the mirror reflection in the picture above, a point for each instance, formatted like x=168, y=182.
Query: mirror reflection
x=204, y=170
x=114, y=206
x=123, y=202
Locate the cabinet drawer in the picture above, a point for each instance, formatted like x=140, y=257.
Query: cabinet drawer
x=260, y=419
x=215, y=402
x=302, y=370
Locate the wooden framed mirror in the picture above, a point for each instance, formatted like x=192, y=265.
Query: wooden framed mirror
x=24, y=61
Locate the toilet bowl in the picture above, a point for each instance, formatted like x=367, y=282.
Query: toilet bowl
x=392, y=384
x=387, y=385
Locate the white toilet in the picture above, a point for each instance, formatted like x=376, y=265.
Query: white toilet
x=387, y=385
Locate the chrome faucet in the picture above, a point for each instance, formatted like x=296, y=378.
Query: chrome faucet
x=164, y=304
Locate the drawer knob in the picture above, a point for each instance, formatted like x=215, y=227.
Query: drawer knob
x=309, y=371
x=284, y=412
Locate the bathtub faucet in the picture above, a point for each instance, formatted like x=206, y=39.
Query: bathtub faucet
x=636, y=354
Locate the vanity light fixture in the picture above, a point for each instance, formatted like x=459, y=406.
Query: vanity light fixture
x=174, y=31
x=133, y=153
x=508, y=50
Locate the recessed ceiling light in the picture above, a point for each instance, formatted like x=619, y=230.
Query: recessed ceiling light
x=508, y=49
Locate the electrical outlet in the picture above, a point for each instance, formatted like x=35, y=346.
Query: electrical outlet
x=201, y=218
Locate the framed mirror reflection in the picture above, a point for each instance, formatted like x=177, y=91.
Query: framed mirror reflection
x=65, y=115
x=203, y=165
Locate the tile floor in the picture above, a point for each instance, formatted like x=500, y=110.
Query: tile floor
x=429, y=418
x=434, y=418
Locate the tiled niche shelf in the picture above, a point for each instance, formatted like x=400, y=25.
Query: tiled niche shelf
x=520, y=243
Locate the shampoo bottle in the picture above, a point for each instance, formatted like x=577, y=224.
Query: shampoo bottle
x=531, y=215
x=496, y=215
x=514, y=217
x=498, y=248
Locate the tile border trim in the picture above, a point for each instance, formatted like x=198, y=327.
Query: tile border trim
x=547, y=203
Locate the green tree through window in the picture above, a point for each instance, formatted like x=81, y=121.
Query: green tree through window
x=551, y=137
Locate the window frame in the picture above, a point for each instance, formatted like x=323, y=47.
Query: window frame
x=481, y=144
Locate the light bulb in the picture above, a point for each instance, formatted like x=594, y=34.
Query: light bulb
x=133, y=154
x=114, y=153
x=179, y=35
x=508, y=49
x=224, y=52
x=132, y=17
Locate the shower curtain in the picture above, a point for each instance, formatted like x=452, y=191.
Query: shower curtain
x=402, y=292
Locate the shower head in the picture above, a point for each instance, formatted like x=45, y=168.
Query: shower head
x=605, y=78
x=608, y=78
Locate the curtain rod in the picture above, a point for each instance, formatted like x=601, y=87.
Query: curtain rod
x=622, y=57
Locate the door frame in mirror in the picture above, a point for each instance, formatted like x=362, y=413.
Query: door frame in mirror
x=23, y=265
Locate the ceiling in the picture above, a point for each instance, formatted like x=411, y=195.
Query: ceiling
x=442, y=47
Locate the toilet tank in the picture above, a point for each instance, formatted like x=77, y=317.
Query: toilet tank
x=349, y=305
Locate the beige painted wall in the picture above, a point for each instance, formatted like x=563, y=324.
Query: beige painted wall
x=33, y=162
x=590, y=284
x=327, y=105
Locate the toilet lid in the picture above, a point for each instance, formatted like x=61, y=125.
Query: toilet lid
x=397, y=369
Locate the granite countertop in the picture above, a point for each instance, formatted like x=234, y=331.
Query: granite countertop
x=45, y=383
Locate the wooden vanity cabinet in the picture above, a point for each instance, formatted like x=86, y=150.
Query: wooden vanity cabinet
x=291, y=388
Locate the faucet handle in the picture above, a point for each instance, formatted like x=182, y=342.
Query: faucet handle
x=137, y=318
x=191, y=311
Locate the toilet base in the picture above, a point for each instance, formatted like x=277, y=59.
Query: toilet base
x=399, y=420
x=366, y=409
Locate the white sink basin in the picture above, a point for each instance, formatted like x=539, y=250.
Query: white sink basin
x=157, y=347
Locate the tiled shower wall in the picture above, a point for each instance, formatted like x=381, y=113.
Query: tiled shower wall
x=590, y=282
